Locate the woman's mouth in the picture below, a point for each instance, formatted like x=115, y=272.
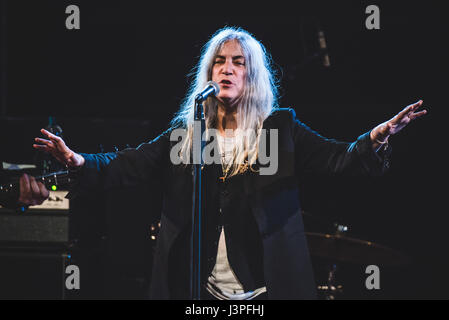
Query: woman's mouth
x=226, y=84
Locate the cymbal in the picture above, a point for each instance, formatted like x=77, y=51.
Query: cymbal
x=339, y=248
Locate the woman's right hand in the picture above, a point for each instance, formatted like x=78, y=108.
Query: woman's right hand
x=58, y=149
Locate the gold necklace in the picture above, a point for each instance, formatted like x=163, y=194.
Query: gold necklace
x=224, y=166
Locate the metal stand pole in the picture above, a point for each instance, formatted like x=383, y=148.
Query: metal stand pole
x=196, y=237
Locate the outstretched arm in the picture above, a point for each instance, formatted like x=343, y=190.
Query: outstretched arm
x=380, y=134
x=58, y=149
x=125, y=168
x=317, y=154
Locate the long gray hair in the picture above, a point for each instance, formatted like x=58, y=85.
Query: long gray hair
x=258, y=101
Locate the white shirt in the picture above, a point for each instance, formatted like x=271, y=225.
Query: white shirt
x=223, y=283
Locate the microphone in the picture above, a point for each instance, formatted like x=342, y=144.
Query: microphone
x=323, y=48
x=211, y=88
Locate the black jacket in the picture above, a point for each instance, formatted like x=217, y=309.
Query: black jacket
x=272, y=203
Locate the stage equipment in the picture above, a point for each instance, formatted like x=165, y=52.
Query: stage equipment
x=337, y=249
x=212, y=88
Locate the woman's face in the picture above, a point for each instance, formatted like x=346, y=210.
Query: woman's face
x=229, y=71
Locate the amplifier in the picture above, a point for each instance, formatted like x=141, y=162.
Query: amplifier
x=40, y=227
x=33, y=273
x=33, y=254
x=55, y=201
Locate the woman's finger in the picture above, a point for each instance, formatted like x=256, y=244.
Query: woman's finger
x=417, y=105
x=41, y=147
x=409, y=109
x=55, y=139
x=413, y=116
x=43, y=141
x=414, y=107
x=48, y=134
x=46, y=146
x=55, y=145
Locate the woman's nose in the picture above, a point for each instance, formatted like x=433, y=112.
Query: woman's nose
x=227, y=68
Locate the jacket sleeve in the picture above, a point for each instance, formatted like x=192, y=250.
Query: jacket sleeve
x=126, y=168
x=317, y=154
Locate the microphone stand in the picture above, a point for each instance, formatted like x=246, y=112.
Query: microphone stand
x=197, y=201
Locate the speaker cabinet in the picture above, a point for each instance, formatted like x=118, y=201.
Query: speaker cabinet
x=32, y=273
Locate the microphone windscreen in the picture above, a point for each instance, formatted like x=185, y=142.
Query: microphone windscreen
x=215, y=85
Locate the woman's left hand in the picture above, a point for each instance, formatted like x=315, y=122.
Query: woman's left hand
x=381, y=133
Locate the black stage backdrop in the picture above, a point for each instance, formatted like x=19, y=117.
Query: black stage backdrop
x=120, y=77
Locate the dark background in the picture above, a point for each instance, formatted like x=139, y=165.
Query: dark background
x=119, y=79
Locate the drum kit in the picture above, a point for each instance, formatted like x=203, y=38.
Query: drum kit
x=336, y=249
